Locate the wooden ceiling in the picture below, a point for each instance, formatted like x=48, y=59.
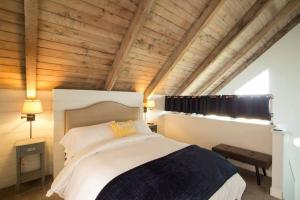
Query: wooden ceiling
x=169, y=47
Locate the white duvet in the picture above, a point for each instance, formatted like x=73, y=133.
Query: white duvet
x=86, y=174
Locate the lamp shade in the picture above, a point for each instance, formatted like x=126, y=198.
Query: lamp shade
x=32, y=107
x=150, y=104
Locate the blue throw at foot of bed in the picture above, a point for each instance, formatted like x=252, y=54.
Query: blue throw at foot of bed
x=192, y=173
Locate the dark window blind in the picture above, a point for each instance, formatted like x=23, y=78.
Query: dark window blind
x=246, y=106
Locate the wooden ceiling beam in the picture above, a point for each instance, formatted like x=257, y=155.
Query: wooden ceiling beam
x=295, y=21
x=234, y=33
x=136, y=24
x=273, y=23
x=31, y=12
x=198, y=26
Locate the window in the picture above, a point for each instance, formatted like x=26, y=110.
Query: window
x=250, y=104
x=258, y=85
x=235, y=106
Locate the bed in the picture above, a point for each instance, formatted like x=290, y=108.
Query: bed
x=142, y=166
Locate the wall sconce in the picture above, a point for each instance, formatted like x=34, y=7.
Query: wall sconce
x=150, y=104
x=30, y=108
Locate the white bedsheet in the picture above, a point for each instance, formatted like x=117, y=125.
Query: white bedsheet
x=88, y=172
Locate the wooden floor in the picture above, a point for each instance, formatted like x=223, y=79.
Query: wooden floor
x=33, y=191
x=253, y=191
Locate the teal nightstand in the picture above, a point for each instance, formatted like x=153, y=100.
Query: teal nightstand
x=25, y=148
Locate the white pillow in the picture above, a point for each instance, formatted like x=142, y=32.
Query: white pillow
x=76, y=139
x=142, y=127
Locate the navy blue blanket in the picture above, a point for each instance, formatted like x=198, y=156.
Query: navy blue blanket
x=192, y=173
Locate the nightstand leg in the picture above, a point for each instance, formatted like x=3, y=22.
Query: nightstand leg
x=18, y=183
x=42, y=164
x=43, y=180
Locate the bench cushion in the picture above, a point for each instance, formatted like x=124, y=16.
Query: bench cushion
x=244, y=155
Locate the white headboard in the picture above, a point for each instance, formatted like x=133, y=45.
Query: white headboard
x=73, y=99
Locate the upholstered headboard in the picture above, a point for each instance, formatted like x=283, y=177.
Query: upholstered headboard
x=100, y=112
x=73, y=108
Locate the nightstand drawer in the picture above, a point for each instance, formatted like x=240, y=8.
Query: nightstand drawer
x=30, y=149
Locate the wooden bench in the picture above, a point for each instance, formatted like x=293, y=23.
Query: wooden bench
x=259, y=160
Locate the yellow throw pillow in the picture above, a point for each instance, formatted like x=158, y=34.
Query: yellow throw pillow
x=122, y=129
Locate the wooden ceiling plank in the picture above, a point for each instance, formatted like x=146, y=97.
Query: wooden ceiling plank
x=75, y=16
x=71, y=69
x=70, y=62
x=73, y=49
x=102, y=14
x=11, y=69
x=12, y=6
x=259, y=52
x=79, y=40
x=49, y=85
x=252, y=42
x=11, y=37
x=136, y=24
x=31, y=33
x=186, y=42
x=11, y=83
x=111, y=7
x=233, y=34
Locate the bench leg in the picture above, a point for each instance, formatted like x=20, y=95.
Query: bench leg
x=257, y=175
x=264, y=170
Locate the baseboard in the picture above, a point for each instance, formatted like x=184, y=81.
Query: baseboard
x=276, y=192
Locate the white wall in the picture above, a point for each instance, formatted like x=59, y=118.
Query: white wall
x=71, y=99
x=13, y=128
x=283, y=62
